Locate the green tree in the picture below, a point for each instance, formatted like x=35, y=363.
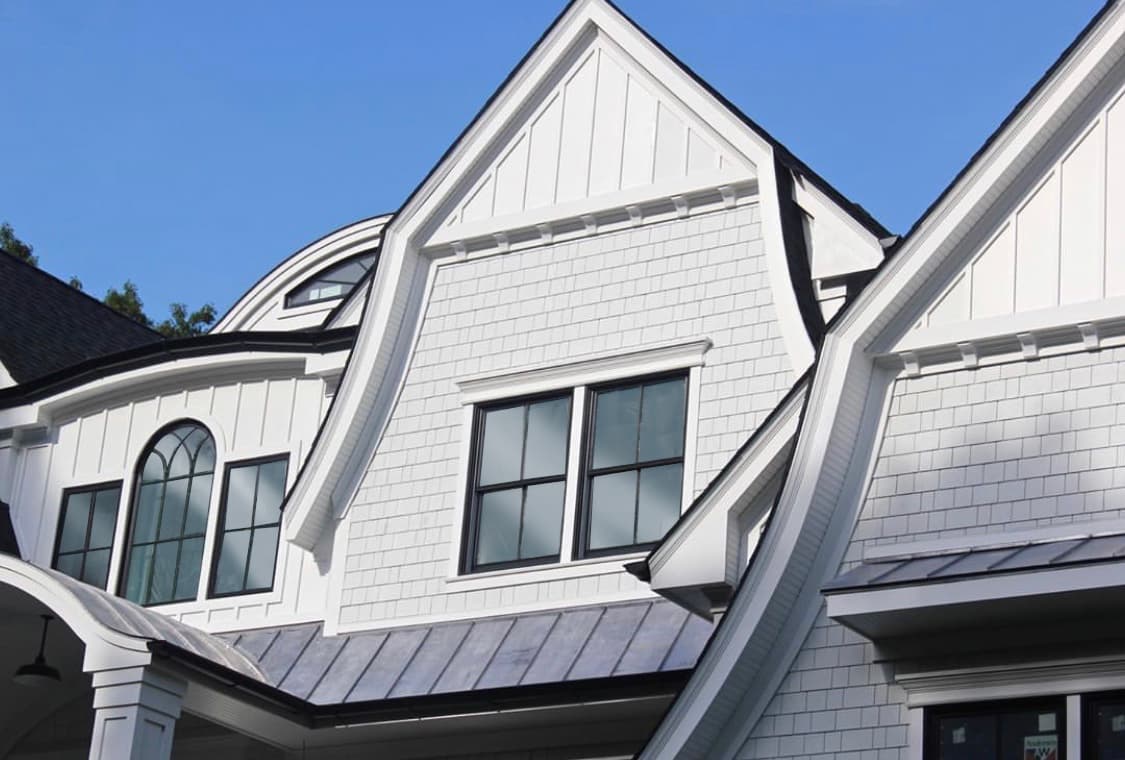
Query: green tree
x=127, y=302
x=13, y=245
x=183, y=324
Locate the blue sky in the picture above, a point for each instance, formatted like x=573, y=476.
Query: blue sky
x=192, y=146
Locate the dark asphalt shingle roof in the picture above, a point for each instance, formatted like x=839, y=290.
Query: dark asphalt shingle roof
x=962, y=564
x=46, y=325
x=631, y=638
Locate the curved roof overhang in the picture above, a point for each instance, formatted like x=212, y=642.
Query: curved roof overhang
x=116, y=633
x=318, y=255
x=170, y=363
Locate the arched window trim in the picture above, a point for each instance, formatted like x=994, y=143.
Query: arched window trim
x=138, y=480
x=328, y=271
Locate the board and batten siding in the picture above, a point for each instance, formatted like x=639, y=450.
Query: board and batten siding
x=247, y=419
x=1059, y=246
x=685, y=279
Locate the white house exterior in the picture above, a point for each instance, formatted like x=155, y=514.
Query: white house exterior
x=626, y=434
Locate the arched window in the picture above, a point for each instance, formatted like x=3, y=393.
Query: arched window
x=170, y=504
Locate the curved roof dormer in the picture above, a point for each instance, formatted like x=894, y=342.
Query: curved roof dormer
x=306, y=289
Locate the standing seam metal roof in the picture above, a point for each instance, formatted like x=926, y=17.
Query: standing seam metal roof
x=650, y=636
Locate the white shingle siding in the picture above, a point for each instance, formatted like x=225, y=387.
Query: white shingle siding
x=1007, y=447
x=835, y=702
x=701, y=277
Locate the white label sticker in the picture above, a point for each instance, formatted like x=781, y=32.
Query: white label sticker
x=959, y=735
x=1117, y=723
x=1041, y=747
x=1046, y=721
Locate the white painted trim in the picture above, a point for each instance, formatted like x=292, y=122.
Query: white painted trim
x=1000, y=586
x=1069, y=676
x=559, y=571
x=602, y=368
x=1103, y=311
x=573, y=472
x=787, y=310
x=691, y=436
x=1074, y=726
x=645, y=198
x=916, y=733
x=305, y=263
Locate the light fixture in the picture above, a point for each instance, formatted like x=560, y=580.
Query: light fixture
x=38, y=673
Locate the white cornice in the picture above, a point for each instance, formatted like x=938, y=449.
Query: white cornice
x=979, y=684
x=597, y=369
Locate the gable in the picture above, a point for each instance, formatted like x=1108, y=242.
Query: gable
x=600, y=127
x=1058, y=247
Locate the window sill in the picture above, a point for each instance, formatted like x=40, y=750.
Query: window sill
x=555, y=571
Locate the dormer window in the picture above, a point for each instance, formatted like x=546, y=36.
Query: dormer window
x=334, y=283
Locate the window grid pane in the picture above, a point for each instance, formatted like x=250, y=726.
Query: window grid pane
x=246, y=551
x=635, y=450
x=519, y=484
x=87, y=521
x=170, y=517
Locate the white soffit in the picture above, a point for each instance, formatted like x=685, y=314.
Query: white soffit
x=599, y=125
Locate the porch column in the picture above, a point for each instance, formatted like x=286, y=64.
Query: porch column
x=135, y=712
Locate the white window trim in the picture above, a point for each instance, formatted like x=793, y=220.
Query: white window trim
x=593, y=371
x=575, y=377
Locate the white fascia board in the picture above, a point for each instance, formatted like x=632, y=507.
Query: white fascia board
x=690, y=554
x=392, y=315
x=848, y=606
x=319, y=254
x=219, y=367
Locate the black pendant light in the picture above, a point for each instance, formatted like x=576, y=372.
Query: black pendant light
x=38, y=673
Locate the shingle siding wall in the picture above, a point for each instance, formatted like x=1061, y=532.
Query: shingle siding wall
x=1007, y=447
x=834, y=703
x=678, y=280
x=1012, y=446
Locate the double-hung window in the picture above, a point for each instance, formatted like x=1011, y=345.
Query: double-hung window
x=250, y=519
x=519, y=483
x=625, y=496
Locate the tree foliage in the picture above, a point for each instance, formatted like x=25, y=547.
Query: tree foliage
x=13, y=245
x=181, y=323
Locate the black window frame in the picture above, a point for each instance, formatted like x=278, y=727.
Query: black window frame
x=134, y=498
x=931, y=734
x=220, y=533
x=93, y=488
x=587, y=472
x=1089, y=707
x=373, y=253
x=471, y=523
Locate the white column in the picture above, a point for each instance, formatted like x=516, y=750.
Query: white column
x=135, y=712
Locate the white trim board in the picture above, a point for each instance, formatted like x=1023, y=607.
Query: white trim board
x=602, y=368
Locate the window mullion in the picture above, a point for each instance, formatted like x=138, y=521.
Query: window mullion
x=575, y=448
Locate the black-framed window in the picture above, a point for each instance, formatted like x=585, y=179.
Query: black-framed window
x=634, y=464
x=87, y=521
x=249, y=525
x=1028, y=729
x=336, y=282
x=518, y=485
x=171, y=502
x=1103, y=726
